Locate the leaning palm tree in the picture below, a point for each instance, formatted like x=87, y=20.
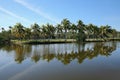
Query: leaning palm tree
x=92, y=31
x=105, y=31
x=109, y=31
x=66, y=24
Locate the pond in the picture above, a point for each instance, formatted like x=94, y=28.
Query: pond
x=68, y=61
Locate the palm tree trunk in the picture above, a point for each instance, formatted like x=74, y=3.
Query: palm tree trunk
x=65, y=35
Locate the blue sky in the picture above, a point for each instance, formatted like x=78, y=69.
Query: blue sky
x=27, y=12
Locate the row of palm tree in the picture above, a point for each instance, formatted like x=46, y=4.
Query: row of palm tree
x=64, y=30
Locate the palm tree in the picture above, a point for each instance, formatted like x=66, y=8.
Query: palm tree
x=92, y=31
x=59, y=30
x=114, y=33
x=18, y=31
x=105, y=31
x=95, y=31
x=44, y=31
x=66, y=24
x=27, y=33
x=10, y=29
x=53, y=30
x=74, y=30
x=109, y=31
x=81, y=31
x=88, y=31
x=50, y=30
x=3, y=29
x=35, y=28
x=80, y=26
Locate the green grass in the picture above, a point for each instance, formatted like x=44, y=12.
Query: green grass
x=102, y=40
x=52, y=41
x=43, y=41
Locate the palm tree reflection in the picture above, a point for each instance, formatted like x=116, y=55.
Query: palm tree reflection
x=37, y=53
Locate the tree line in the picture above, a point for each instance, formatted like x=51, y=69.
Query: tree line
x=64, y=30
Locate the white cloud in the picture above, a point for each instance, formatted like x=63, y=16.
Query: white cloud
x=36, y=10
x=13, y=14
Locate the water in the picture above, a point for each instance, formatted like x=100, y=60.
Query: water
x=70, y=61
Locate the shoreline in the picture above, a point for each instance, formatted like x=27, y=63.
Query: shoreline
x=59, y=41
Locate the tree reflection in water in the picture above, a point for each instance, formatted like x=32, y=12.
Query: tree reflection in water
x=50, y=52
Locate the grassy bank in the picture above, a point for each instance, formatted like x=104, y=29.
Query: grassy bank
x=53, y=41
x=43, y=41
x=102, y=40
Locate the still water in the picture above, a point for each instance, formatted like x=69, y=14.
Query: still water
x=70, y=61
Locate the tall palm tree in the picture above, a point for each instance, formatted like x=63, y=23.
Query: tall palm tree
x=18, y=31
x=27, y=33
x=66, y=24
x=35, y=28
x=80, y=26
x=50, y=31
x=88, y=31
x=44, y=31
x=74, y=30
x=59, y=31
x=81, y=31
x=3, y=29
x=10, y=29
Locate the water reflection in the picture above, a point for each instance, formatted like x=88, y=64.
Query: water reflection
x=64, y=53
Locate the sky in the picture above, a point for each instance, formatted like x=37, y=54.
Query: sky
x=27, y=12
